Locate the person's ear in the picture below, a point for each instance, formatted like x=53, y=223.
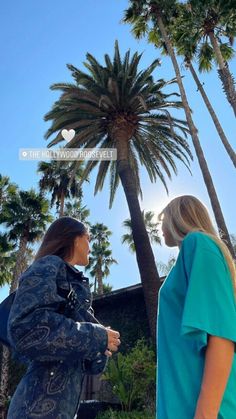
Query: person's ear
x=77, y=242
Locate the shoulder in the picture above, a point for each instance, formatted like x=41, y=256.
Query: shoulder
x=49, y=265
x=197, y=240
x=50, y=261
x=201, y=239
x=196, y=236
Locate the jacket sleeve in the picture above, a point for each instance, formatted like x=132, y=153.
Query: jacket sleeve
x=36, y=329
x=98, y=364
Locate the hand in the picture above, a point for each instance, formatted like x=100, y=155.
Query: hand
x=113, y=341
x=108, y=353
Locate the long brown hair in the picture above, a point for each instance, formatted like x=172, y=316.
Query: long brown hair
x=185, y=214
x=59, y=238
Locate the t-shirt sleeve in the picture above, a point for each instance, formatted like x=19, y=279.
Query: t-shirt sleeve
x=209, y=307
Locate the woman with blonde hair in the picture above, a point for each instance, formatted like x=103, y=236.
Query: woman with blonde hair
x=196, y=319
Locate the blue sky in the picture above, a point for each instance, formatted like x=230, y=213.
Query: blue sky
x=37, y=40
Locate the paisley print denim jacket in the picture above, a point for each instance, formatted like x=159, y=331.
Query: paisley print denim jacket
x=46, y=326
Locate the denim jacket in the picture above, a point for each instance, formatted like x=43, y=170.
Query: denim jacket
x=51, y=323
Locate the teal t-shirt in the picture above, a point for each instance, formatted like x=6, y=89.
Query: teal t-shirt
x=196, y=299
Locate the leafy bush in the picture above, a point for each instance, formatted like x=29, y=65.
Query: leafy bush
x=111, y=414
x=133, y=376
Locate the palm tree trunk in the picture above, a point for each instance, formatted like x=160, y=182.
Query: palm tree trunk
x=20, y=263
x=198, y=149
x=95, y=284
x=211, y=111
x=5, y=353
x=62, y=204
x=224, y=73
x=73, y=174
x=144, y=254
x=4, y=380
x=99, y=278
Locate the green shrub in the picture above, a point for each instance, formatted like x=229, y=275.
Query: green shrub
x=111, y=414
x=133, y=376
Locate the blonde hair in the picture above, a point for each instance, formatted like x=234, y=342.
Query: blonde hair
x=186, y=214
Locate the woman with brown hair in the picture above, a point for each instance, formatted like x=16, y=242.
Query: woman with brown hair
x=52, y=325
x=196, y=319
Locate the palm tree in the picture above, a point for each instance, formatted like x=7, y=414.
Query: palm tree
x=77, y=210
x=151, y=227
x=25, y=216
x=117, y=106
x=101, y=256
x=159, y=14
x=208, y=24
x=211, y=111
x=7, y=260
x=100, y=233
x=164, y=268
x=61, y=178
x=187, y=48
x=7, y=263
x=100, y=261
x=8, y=257
x=7, y=189
x=107, y=288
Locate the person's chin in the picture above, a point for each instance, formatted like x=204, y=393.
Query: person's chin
x=83, y=263
x=86, y=262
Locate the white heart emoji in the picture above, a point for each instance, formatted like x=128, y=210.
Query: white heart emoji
x=68, y=135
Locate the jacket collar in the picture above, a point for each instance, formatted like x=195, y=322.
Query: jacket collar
x=77, y=272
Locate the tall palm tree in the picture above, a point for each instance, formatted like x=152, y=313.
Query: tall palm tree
x=208, y=24
x=118, y=106
x=211, y=111
x=101, y=256
x=61, y=179
x=77, y=210
x=24, y=216
x=151, y=227
x=100, y=233
x=186, y=47
x=159, y=13
x=100, y=261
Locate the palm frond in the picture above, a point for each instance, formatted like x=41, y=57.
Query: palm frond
x=110, y=97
